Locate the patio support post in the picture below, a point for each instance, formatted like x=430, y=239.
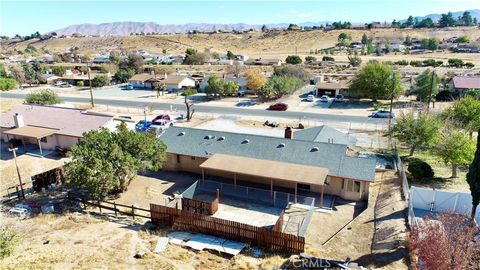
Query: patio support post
x=40, y=146
x=203, y=175
x=295, y=192
x=235, y=180
x=271, y=187
x=24, y=145
x=321, y=195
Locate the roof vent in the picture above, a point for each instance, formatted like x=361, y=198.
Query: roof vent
x=245, y=141
x=209, y=137
x=181, y=133
x=314, y=149
x=281, y=145
x=221, y=138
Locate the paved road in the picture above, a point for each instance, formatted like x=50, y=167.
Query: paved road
x=203, y=108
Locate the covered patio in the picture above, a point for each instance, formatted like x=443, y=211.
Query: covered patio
x=32, y=132
x=273, y=172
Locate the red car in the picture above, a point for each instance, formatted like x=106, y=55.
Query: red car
x=278, y=107
x=161, y=117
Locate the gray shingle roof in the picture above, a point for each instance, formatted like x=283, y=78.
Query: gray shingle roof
x=204, y=143
x=325, y=134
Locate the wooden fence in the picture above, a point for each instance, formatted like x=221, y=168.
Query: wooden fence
x=279, y=224
x=204, y=208
x=195, y=222
x=116, y=208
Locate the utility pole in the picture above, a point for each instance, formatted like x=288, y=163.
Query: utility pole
x=431, y=90
x=90, y=84
x=392, y=77
x=18, y=171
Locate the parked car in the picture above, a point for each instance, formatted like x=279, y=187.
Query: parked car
x=161, y=117
x=129, y=87
x=278, y=107
x=324, y=98
x=382, y=114
x=126, y=117
x=162, y=124
x=62, y=84
x=338, y=98
x=143, y=126
x=310, y=98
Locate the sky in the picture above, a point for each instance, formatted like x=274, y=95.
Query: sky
x=26, y=17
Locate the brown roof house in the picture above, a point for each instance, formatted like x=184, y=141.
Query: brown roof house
x=48, y=127
x=331, y=88
x=461, y=84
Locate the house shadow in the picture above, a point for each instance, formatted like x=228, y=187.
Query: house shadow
x=382, y=259
x=181, y=180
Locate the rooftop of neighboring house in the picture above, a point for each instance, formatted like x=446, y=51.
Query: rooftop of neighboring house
x=173, y=79
x=463, y=82
x=67, y=121
x=333, y=156
x=142, y=77
x=332, y=85
x=325, y=134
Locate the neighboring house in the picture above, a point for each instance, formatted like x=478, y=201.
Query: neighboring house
x=242, y=82
x=241, y=57
x=331, y=89
x=461, y=84
x=46, y=58
x=177, y=82
x=49, y=78
x=49, y=126
x=264, y=62
x=142, y=80
x=101, y=59
x=74, y=78
x=325, y=134
x=312, y=166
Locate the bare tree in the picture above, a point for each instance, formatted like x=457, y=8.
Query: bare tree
x=188, y=103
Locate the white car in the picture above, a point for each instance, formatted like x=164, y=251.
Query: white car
x=310, y=98
x=161, y=125
x=62, y=84
x=324, y=98
x=382, y=114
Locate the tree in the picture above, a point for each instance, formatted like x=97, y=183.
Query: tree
x=215, y=86
x=293, y=71
x=7, y=84
x=328, y=58
x=409, y=22
x=467, y=18
x=123, y=75
x=59, y=70
x=425, y=23
x=365, y=40
x=190, y=51
x=43, y=97
x=373, y=81
x=100, y=81
x=105, y=162
x=344, y=39
x=18, y=74
x=370, y=48
x=255, y=79
x=264, y=28
x=230, y=88
x=473, y=177
x=425, y=87
x=408, y=41
x=30, y=74
x=463, y=39
x=293, y=59
x=134, y=62
x=421, y=131
x=195, y=59
x=231, y=55
x=465, y=113
x=279, y=86
x=115, y=57
x=447, y=20
x=160, y=87
x=188, y=104
x=354, y=60
x=310, y=58
x=455, y=148
x=432, y=44
x=292, y=27
x=444, y=243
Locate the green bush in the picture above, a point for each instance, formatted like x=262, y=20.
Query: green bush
x=80, y=83
x=43, y=97
x=7, y=84
x=100, y=81
x=420, y=169
x=328, y=58
x=59, y=70
x=293, y=59
x=469, y=65
x=401, y=63
x=455, y=62
x=8, y=242
x=415, y=63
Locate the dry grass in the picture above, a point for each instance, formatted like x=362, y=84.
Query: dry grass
x=7, y=104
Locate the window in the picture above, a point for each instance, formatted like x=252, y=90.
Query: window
x=178, y=158
x=351, y=185
x=303, y=186
x=44, y=139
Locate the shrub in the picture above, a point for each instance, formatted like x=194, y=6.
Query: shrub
x=328, y=58
x=43, y=97
x=415, y=63
x=455, y=62
x=310, y=58
x=293, y=59
x=401, y=63
x=432, y=63
x=444, y=95
x=420, y=169
x=100, y=81
x=8, y=242
x=59, y=70
x=469, y=65
x=7, y=84
x=463, y=39
x=80, y=83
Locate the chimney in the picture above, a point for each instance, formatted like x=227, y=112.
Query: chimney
x=288, y=133
x=18, y=119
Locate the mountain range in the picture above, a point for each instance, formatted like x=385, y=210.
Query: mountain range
x=126, y=28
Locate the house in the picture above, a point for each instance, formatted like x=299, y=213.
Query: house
x=241, y=57
x=73, y=78
x=101, y=59
x=325, y=134
x=49, y=78
x=177, y=82
x=142, y=80
x=331, y=88
x=49, y=126
x=264, y=62
x=305, y=164
x=462, y=83
x=242, y=82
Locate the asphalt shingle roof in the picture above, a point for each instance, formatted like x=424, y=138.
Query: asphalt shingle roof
x=325, y=134
x=205, y=143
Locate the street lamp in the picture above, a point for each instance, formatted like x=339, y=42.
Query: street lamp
x=18, y=171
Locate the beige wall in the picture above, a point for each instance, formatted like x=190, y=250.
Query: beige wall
x=52, y=140
x=334, y=186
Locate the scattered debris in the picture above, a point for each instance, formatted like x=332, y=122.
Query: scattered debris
x=139, y=255
x=203, y=241
x=47, y=209
x=161, y=244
